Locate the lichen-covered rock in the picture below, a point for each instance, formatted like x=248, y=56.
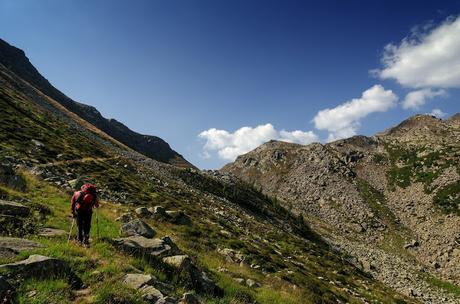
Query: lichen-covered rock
x=137, y=227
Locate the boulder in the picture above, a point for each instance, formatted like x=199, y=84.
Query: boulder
x=178, y=262
x=9, y=178
x=159, y=211
x=136, y=280
x=231, y=255
x=178, y=217
x=191, y=275
x=189, y=298
x=142, y=211
x=52, y=232
x=7, y=292
x=18, y=245
x=41, y=267
x=125, y=217
x=144, y=247
x=13, y=209
x=151, y=294
x=144, y=284
x=137, y=227
x=251, y=283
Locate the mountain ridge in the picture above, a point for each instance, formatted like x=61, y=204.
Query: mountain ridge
x=154, y=147
x=391, y=201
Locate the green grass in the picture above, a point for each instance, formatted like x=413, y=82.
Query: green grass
x=446, y=286
x=44, y=292
x=448, y=198
x=115, y=292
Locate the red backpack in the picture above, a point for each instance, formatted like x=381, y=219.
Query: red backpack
x=87, y=198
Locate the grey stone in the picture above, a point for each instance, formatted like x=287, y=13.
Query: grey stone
x=41, y=267
x=251, y=283
x=13, y=209
x=178, y=262
x=139, y=245
x=151, y=294
x=178, y=217
x=142, y=211
x=18, y=245
x=159, y=210
x=136, y=280
x=51, y=232
x=137, y=227
x=189, y=298
x=125, y=217
x=9, y=178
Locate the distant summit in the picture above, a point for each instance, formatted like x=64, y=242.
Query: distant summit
x=15, y=60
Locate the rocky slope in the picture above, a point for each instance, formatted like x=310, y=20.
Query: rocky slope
x=154, y=147
x=391, y=201
x=166, y=234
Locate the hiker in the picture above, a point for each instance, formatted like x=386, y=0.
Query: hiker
x=82, y=205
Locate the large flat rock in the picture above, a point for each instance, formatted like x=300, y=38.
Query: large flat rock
x=142, y=246
x=40, y=267
x=52, y=232
x=13, y=209
x=18, y=245
x=137, y=227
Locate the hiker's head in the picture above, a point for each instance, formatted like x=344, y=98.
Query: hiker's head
x=89, y=188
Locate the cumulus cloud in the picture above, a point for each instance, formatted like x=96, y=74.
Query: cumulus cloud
x=344, y=120
x=229, y=145
x=415, y=99
x=438, y=113
x=423, y=60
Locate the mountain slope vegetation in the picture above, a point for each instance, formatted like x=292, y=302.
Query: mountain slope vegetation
x=391, y=201
x=214, y=238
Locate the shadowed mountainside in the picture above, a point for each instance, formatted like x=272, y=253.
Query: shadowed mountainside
x=15, y=61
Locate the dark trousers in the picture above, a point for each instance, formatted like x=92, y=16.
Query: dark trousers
x=84, y=225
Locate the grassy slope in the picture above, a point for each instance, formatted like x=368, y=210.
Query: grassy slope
x=295, y=267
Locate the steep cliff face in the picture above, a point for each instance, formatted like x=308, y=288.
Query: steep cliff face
x=392, y=200
x=154, y=147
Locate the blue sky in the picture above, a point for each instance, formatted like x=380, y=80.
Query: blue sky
x=178, y=69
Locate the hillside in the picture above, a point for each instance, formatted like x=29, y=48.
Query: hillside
x=154, y=147
x=166, y=234
x=391, y=201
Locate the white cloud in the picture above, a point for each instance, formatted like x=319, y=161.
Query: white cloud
x=415, y=99
x=430, y=59
x=438, y=113
x=344, y=120
x=230, y=145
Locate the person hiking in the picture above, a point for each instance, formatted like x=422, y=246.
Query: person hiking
x=82, y=204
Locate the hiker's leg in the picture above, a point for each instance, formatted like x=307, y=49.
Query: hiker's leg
x=87, y=226
x=80, y=224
